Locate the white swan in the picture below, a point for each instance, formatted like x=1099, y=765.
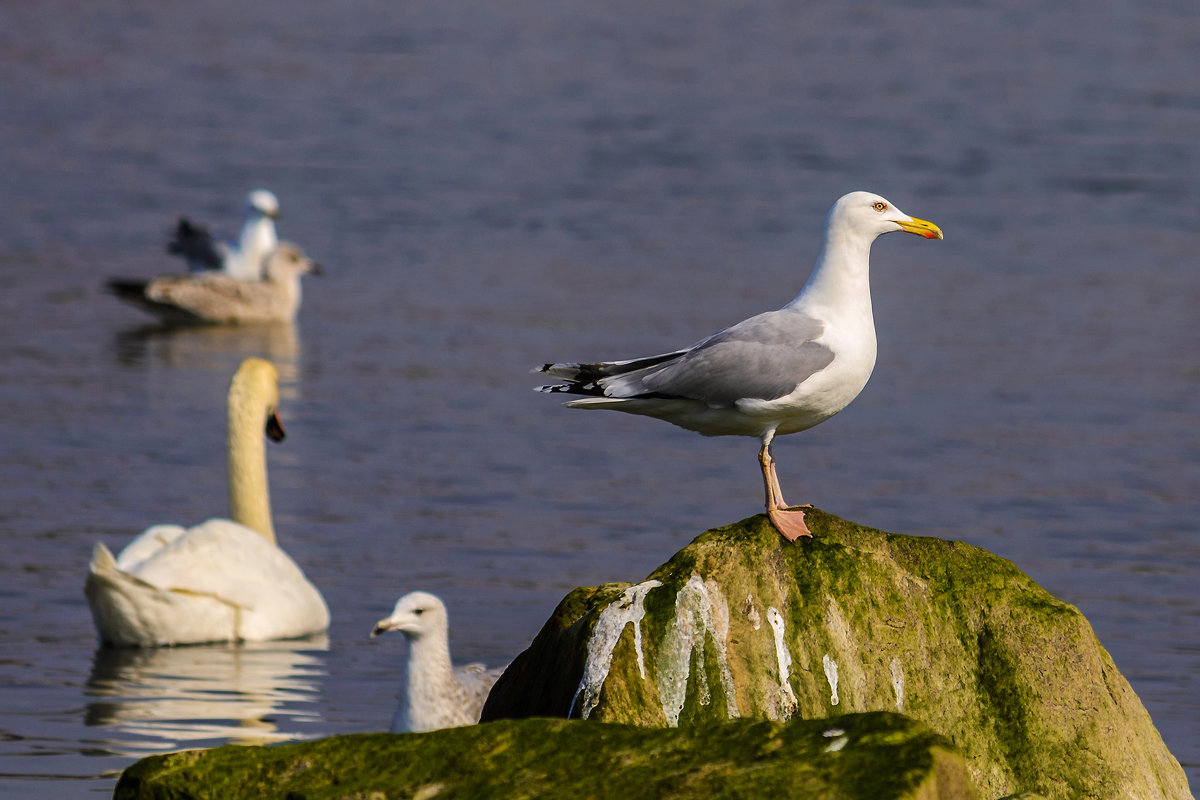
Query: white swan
x=241, y=259
x=433, y=694
x=215, y=298
x=221, y=580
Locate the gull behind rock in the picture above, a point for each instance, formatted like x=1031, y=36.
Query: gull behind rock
x=433, y=693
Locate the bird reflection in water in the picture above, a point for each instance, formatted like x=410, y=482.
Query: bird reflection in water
x=166, y=698
x=211, y=347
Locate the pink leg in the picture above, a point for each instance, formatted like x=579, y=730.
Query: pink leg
x=789, y=522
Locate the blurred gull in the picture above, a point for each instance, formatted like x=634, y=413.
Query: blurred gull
x=779, y=372
x=216, y=298
x=433, y=694
x=241, y=259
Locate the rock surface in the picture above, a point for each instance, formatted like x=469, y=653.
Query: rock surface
x=864, y=756
x=743, y=624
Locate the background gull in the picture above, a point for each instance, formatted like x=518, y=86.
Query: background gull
x=779, y=372
x=242, y=258
x=216, y=298
x=433, y=694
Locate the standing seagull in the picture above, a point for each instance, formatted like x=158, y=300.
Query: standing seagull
x=779, y=372
x=241, y=259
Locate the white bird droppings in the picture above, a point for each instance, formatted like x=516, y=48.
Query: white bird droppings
x=831, y=670
x=898, y=683
x=700, y=611
x=837, y=744
x=752, y=613
x=629, y=607
x=783, y=656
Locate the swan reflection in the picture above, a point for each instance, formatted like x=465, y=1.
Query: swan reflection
x=165, y=698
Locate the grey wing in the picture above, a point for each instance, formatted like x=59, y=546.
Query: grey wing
x=197, y=246
x=764, y=357
x=476, y=681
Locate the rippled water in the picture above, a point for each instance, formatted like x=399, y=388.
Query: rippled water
x=491, y=187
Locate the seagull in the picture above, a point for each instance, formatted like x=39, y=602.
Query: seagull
x=433, y=694
x=241, y=259
x=778, y=372
x=216, y=298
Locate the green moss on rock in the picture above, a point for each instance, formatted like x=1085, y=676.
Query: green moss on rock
x=860, y=620
x=870, y=756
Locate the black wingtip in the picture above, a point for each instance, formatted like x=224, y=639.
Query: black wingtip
x=184, y=233
x=126, y=287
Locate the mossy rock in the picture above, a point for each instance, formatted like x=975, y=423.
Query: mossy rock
x=742, y=623
x=869, y=756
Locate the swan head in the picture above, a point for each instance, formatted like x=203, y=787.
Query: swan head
x=288, y=261
x=416, y=614
x=261, y=203
x=255, y=390
x=870, y=215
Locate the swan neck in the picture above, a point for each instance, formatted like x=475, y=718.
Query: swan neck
x=249, y=500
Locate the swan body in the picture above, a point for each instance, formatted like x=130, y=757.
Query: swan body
x=216, y=581
x=240, y=259
x=216, y=298
x=433, y=693
x=221, y=580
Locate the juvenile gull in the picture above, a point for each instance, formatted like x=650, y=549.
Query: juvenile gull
x=241, y=258
x=215, y=298
x=779, y=372
x=433, y=694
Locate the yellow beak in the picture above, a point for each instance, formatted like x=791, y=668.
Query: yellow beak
x=921, y=228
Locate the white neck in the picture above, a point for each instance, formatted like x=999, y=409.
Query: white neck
x=427, y=673
x=249, y=500
x=841, y=278
x=288, y=291
x=256, y=241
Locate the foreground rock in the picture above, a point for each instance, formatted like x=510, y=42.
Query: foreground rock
x=743, y=624
x=867, y=756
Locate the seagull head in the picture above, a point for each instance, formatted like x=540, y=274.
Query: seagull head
x=415, y=615
x=874, y=215
x=262, y=203
x=288, y=260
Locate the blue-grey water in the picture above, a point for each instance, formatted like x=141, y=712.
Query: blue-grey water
x=494, y=185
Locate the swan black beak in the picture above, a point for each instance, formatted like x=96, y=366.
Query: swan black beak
x=275, y=431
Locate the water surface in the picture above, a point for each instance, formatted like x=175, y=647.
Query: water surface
x=494, y=187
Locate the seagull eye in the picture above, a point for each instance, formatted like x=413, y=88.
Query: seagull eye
x=418, y=611
x=880, y=206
